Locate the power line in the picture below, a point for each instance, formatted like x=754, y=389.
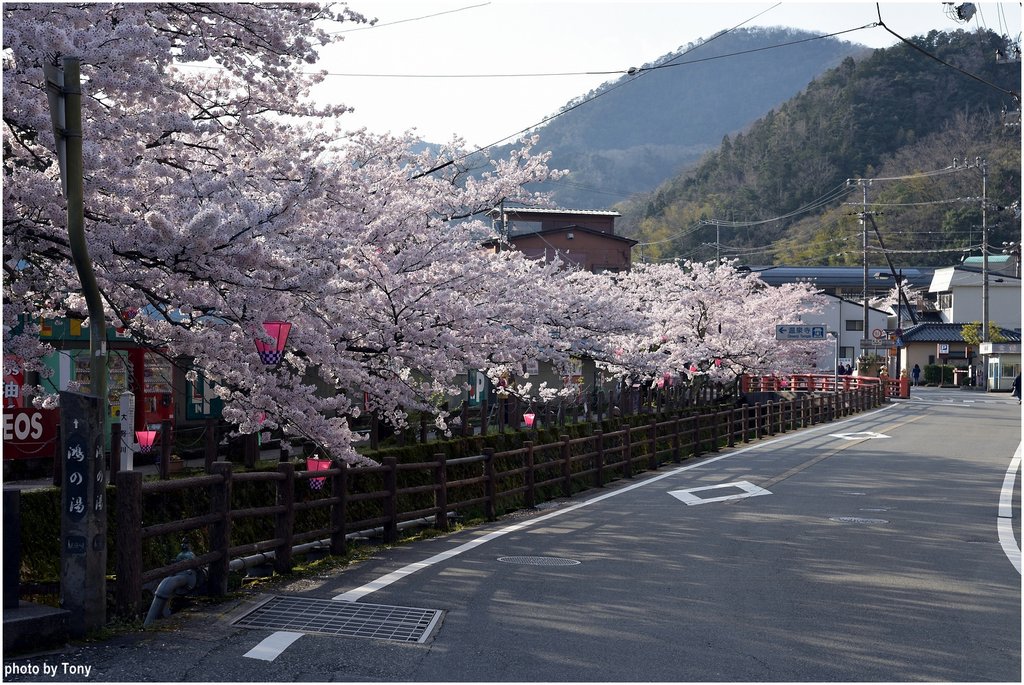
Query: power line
x=1013, y=94
x=405, y=21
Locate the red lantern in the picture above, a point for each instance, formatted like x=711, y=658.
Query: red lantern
x=529, y=419
x=273, y=353
x=145, y=440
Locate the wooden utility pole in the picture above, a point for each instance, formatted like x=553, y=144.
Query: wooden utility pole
x=84, y=511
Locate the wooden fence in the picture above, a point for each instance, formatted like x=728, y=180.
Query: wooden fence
x=392, y=493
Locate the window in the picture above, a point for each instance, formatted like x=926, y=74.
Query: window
x=847, y=352
x=854, y=325
x=945, y=300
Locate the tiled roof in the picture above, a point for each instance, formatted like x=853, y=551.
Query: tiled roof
x=544, y=210
x=946, y=333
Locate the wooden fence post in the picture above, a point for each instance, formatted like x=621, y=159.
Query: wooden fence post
x=209, y=444
x=566, y=466
x=391, y=503
x=628, y=437
x=284, y=522
x=599, y=466
x=696, y=434
x=339, y=492
x=715, y=418
x=531, y=493
x=115, y=451
x=220, y=532
x=441, y=491
x=165, y=449
x=730, y=425
x=677, y=456
x=128, y=591
x=251, y=450
x=652, y=436
x=490, y=487
x=758, y=421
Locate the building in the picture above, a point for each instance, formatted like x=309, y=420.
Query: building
x=958, y=294
x=958, y=291
x=580, y=238
x=844, y=319
x=844, y=281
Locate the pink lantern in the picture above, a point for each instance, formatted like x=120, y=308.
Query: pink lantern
x=718, y=363
x=316, y=464
x=529, y=418
x=693, y=368
x=145, y=440
x=273, y=353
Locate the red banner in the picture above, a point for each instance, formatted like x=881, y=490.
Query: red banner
x=30, y=433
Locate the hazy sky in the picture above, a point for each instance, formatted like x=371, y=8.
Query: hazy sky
x=492, y=52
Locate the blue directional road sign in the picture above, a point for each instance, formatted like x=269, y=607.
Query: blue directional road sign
x=799, y=332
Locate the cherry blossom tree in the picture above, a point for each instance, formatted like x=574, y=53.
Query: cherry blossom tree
x=218, y=198
x=706, y=320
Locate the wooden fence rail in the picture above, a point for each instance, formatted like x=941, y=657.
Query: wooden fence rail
x=392, y=493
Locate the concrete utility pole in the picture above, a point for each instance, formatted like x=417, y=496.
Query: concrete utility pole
x=981, y=163
x=864, y=183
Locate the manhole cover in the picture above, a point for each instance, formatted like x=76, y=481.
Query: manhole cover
x=348, y=619
x=856, y=519
x=539, y=561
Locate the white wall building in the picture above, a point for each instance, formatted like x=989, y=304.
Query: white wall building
x=847, y=318
x=958, y=293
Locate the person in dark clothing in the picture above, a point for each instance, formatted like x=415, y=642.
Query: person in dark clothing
x=916, y=374
x=1016, y=388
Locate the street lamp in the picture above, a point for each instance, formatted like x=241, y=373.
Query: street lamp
x=272, y=353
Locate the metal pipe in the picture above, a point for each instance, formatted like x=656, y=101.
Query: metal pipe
x=178, y=584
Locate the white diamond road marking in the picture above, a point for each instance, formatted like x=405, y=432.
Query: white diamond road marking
x=863, y=435
x=689, y=498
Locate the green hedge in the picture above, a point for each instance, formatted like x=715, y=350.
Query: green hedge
x=40, y=509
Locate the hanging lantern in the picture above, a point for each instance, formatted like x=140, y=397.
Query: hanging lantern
x=145, y=440
x=273, y=353
x=317, y=464
x=529, y=418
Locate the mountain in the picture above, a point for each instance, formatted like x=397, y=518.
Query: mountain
x=779, y=190
x=631, y=134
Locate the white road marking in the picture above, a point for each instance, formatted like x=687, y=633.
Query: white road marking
x=863, y=435
x=690, y=499
x=1004, y=524
x=388, y=579
x=272, y=646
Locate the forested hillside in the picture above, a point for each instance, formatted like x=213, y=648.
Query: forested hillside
x=779, y=192
x=637, y=131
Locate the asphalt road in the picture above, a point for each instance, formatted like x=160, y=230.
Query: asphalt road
x=871, y=549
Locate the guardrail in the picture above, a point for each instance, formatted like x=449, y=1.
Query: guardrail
x=808, y=382
x=393, y=493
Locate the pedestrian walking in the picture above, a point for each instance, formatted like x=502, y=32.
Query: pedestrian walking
x=916, y=373
x=1016, y=388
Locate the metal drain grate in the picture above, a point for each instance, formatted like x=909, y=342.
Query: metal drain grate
x=539, y=561
x=348, y=619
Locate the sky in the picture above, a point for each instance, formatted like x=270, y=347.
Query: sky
x=482, y=69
